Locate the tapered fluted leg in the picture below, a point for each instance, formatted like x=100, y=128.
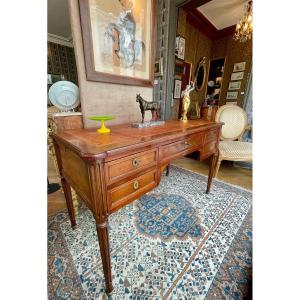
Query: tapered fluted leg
x=103, y=239
x=213, y=160
x=67, y=191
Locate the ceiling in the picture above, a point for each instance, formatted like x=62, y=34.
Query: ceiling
x=223, y=13
x=58, y=18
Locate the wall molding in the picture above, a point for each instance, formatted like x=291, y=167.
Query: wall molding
x=57, y=39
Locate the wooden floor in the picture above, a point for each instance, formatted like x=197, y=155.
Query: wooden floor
x=228, y=173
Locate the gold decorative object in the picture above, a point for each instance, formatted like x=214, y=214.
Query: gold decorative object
x=186, y=100
x=243, y=30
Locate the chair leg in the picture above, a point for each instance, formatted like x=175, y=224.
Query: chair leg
x=217, y=166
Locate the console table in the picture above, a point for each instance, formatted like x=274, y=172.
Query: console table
x=110, y=171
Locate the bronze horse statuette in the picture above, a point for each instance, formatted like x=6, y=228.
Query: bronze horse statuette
x=145, y=105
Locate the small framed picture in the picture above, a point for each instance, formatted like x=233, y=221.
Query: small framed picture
x=237, y=76
x=232, y=95
x=234, y=85
x=158, y=67
x=177, y=89
x=237, y=67
x=177, y=44
x=181, y=48
x=179, y=67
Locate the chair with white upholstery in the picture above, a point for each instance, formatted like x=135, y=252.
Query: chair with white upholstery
x=231, y=146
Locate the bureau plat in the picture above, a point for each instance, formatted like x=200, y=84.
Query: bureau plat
x=110, y=171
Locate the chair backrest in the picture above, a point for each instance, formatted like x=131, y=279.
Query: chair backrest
x=234, y=119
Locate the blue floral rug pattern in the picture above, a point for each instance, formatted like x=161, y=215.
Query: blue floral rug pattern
x=209, y=257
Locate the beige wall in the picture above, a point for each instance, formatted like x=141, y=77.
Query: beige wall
x=99, y=98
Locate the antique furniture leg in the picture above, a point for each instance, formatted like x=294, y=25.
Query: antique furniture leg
x=217, y=165
x=52, y=128
x=168, y=170
x=66, y=187
x=68, y=196
x=213, y=160
x=102, y=232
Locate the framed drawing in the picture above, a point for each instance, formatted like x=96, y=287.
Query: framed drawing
x=237, y=67
x=179, y=67
x=158, y=67
x=232, y=95
x=177, y=89
x=181, y=48
x=237, y=76
x=119, y=40
x=234, y=85
x=177, y=44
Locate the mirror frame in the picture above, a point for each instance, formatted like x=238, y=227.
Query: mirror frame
x=202, y=64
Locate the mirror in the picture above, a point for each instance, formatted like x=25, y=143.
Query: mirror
x=200, y=75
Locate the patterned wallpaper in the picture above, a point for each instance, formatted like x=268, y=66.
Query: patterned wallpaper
x=198, y=45
x=61, y=60
x=234, y=52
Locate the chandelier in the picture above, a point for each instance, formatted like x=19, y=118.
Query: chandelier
x=243, y=30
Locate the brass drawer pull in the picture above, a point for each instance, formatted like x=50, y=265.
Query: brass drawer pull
x=136, y=162
x=135, y=184
x=188, y=144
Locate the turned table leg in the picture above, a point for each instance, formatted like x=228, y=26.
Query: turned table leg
x=212, y=165
x=69, y=201
x=103, y=239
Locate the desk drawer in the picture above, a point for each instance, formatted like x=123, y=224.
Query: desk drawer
x=211, y=136
x=130, y=190
x=192, y=141
x=208, y=149
x=123, y=167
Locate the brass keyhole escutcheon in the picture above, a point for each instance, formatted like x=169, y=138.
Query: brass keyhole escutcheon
x=135, y=184
x=135, y=162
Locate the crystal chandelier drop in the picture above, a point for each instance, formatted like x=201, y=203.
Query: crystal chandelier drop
x=243, y=30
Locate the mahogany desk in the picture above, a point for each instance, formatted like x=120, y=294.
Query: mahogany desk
x=110, y=171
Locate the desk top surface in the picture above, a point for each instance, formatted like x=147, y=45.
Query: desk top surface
x=88, y=142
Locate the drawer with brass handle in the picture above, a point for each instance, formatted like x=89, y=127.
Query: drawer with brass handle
x=130, y=190
x=173, y=150
x=123, y=167
x=136, y=162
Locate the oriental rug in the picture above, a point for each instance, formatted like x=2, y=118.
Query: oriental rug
x=175, y=242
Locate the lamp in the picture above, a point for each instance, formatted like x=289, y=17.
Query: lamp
x=243, y=30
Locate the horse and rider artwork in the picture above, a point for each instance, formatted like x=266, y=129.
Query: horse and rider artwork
x=146, y=105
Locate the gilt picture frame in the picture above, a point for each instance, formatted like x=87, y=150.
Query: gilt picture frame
x=119, y=41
